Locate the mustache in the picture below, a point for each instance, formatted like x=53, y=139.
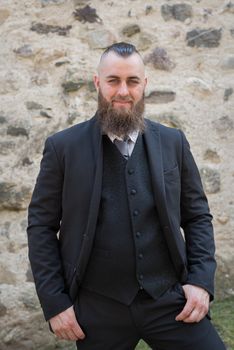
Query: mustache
x=121, y=99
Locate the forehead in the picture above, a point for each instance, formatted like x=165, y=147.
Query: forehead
x=113, y=64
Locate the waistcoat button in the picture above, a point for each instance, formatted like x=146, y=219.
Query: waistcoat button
x=131, y=171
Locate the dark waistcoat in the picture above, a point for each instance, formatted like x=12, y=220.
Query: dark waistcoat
x=129, y=250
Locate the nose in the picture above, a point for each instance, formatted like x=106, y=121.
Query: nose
x=123, y=89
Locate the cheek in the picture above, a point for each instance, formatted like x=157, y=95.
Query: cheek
x=138, y=94
x=108, y=93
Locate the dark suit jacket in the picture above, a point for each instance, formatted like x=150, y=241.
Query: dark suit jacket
x=64, y=208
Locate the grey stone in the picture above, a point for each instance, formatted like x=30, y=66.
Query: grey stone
x=210, y=179
x=3, y=310
x=29, y=299
x=228, y=63
x=159, y=59
x=224, y=124
x=232, y=32
x=131, y=29
x=45, y=114
x=10, y=81
x=29, y=275
x=4, y=230
x=80, y=2
x=6, y=147
x=144, y=42
x=211, y=156
x=169, y=120
x=227, y=93
x=7, y=276
x=100, y=39
x=148, y=10
x=61, y=63
x=72, y=117
x=17, y=131
x=52, y=2
x=204, y=37
x=25, y=51
x=91, y=86
x=160, y=96
x=179, y=12
x=2, y=119
x=13, y=197
x=42, y=28
x=26, y=161
x=229, y=7
x=87, y=14
x=33, y=105
x=197, y=85
x=71, y=86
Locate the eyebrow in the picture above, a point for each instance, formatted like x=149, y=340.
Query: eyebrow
x=116, y=77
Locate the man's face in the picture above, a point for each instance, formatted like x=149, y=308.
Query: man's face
x=121, y=81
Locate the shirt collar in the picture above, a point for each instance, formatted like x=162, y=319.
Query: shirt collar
x=132, y=135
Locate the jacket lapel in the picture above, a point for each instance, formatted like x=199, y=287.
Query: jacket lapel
x=154, y=151
x=88, y=236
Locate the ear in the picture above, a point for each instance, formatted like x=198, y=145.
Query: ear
x=96, y=81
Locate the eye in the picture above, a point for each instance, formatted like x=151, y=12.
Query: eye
x=113, y=81
x=133, y=82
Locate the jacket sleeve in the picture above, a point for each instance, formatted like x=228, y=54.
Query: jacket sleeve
x=44, y=216
x=196, y=223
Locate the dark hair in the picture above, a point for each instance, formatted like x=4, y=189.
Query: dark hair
x=122, y=49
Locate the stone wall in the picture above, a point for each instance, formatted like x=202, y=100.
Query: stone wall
x=49, y=51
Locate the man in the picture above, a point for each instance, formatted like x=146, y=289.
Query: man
x=118, y=188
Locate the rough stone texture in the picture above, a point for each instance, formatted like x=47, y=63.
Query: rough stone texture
x=190, y=84
x=25, y=51
x=204, y=37
x=87, y=14
x=13, y=197
x=228, y=63
x=100, y=39
x=16, y=131
x=227, y=93
x=72, y=82
x=131, y=29
x=159, y=59
x=160, y=96
x=224, y=124
x=4, y=14
x=179, y=12
x=211, y=156
x=211, y=180
x=42, y=28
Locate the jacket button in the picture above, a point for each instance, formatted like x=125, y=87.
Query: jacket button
x=136, y=212
x=141, y=277
x=138, y=234
x=131, y=171
x=133, y=191
x=140, y=256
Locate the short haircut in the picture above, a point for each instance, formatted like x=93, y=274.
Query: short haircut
x=121, y=49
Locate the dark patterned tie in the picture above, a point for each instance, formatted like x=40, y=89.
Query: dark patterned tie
x=123, y=147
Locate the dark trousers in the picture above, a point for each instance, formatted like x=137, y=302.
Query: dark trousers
x=110, y=325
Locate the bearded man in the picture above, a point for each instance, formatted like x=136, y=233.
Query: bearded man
x=109, y=261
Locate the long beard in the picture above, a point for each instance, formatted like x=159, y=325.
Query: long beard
x=120, y=121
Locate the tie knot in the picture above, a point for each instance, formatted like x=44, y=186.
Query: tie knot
x=123, y=146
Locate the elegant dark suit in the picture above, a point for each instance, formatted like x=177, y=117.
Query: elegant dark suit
x=66, y=200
